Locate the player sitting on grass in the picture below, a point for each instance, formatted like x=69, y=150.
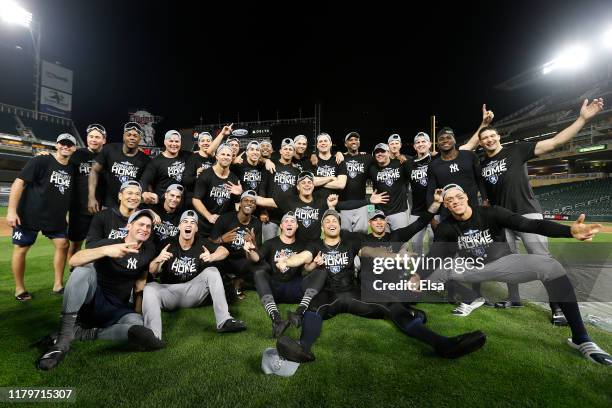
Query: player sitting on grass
x=187, y=275
x=284, y=285
x=102, y=300
x=335, y=254
x=473, y=232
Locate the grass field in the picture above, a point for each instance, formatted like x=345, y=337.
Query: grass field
x=359, y=362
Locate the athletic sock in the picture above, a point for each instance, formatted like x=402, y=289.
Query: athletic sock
x=561, y=290
x=513, y=292
x=269, y=305
x=476, y=288
x=66, y=332
x=308, y=295
x=466, y=294
x=413, y=326
x=311, y=329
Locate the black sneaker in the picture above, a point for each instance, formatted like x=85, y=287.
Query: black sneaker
x=463, y=344
x=506, y=304
x=52, y=357
x=231, y=326
x=46, y=341
x=278, y=325
x=144, y=338
x=292, y=350
x=558, y=318
x=295, y=318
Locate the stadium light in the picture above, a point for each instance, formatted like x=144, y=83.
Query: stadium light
x=11, y=12
x=607, y=39
x=572, y=58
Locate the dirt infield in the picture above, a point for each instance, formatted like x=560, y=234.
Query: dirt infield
x=5, y=230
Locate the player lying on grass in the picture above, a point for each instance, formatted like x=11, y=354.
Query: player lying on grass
x=285, y=284
x=187, y=276
x=101, y=300
x=472, y=232
x=336, y=253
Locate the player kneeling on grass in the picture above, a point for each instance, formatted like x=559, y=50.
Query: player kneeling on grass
x=101, y=300
x=187, y=275
x=341, y=294
x=472, y=232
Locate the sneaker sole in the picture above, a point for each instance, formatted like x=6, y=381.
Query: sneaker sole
x=290, y=350
x=467, y=346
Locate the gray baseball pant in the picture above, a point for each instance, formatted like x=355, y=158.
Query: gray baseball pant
x=80, y=289
x=534, y=244
x=398, y=220
x=181, y=295
x=417, y=239
x=269, y=230
x=513, y=268
x=355, y=220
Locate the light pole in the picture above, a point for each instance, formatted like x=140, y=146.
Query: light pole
x=12, y=13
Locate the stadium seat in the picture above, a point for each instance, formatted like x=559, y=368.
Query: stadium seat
x=44, y=129
x=8, y=124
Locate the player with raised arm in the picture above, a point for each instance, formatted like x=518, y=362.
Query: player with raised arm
x=475, y=232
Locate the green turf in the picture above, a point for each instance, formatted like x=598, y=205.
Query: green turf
x=3, y=211
x=359, y=362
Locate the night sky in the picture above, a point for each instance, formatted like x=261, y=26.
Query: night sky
x=374, y=69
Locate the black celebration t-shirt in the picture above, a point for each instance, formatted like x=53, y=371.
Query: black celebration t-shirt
x=506, y=180
x=48, y=194
x=339, y=262
x=228, y=222
x=116, y=276
x=392, y=179
x=82, y=161
x=164, y=171
x=185, y=264
x=119, y=168
x=274, y=249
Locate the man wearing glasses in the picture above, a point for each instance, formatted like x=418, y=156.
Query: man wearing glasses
x=39, y=200
x=120, y=162
x=82, y=160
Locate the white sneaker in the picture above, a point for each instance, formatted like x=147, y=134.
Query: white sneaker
x=465, y=309
x=592, y=351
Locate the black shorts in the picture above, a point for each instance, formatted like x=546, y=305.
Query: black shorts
x=78, y=226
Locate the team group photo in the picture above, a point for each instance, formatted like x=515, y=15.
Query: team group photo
x=376, y=240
